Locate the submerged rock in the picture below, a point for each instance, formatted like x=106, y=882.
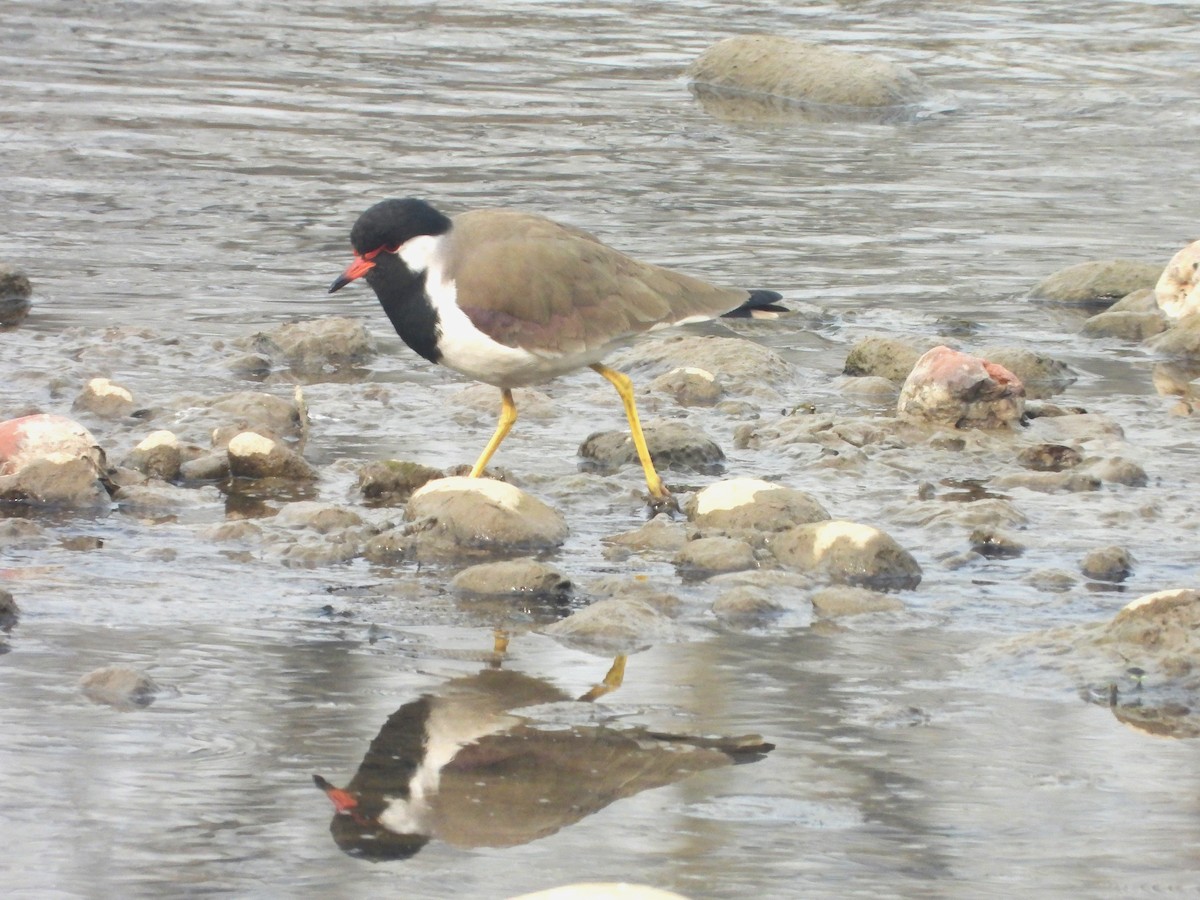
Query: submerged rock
x=1181, y=340
x=316, y=345
x=951, y=388
x=848, y=553
x=615, y=625
x=15, y=291
x=516, y=578
x=747, y=606
x=672, y=445
x=1108, y=564
x=660, y=535
x=120, y=687
x=1049, y=457
x=711, y=555
x=51, y=460
x=805, y=72
x=843, y=601
x=742, y=366
x=391, y=482
x=1129, y=326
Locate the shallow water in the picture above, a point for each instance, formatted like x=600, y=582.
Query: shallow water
x=186, y=174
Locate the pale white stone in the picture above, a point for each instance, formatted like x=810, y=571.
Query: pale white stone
x=161, y=438
x=731, y=494
x=1178, y=288
x=497, y=491
x=102, y=387
x=250, y=443
x=828, y=533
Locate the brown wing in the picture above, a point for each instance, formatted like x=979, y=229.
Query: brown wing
x=527, y=281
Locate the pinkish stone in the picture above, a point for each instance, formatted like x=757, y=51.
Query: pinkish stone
x=951, y=388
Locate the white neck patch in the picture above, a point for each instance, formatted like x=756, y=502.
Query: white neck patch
x=421, y=253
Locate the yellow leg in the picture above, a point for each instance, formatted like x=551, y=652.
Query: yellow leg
x=508, y=415
x=612, y=681
x=625, y=388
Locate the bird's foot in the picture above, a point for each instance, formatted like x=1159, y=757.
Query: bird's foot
x=663, y=503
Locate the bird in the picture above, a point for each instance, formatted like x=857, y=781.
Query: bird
x=468, y=765
x=511, y=298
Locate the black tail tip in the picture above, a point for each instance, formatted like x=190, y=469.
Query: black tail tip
x=760, y=304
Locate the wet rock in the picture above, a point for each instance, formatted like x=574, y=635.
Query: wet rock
x=746, y=606
x=252, y=366
x=805, y=72
x=615, y=625
x=1178, y=289
x=1117, y=470
x=51, y=460
x=391, y=482
x=1079, y=428
x=1048, y=482
x=307, y=553
x=260, y=412
x=1113, y=564
x=1161, y=629
x=1127, y=326
x=160, y=455
x=20, y=531
x=1049, y=457
x=1179, y=379
x=710, y=555
x=842, y=601
x=883, y=358
x=105, y=399
x=951, y=388
x=1139, y=301
x=517, y=578
x=672, y=445
x=848, y=553
x=1055, y=581
x=995, y=543
x=209, y=467
x=600, y=890
x=458, y=516
x=1182, y=340
x=10, y=613
x=870, y=386
x=251, y=455
x=741, y=366
x=1097, y=283
x=1039, y=374
x=120, y=687
x=689, y=385
x=323, y=518
x=749, y=504
x=239, y=530
x=660, y=535
x=317, y=345
x=15, y=291
x=158, y=500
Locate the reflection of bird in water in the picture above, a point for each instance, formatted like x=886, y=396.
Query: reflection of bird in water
x=461, y=767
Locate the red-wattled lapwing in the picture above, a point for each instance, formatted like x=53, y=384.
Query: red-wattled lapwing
x=514, y=299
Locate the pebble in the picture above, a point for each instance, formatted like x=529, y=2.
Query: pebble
x=1112, y=563
x=120, y=687
x=253, y=455
x=517, y=578
x=711, y=555
x=848, y=553
x=750, y=504
x=391, y=482
x=672, y=445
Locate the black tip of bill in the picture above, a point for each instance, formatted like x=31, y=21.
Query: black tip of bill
x=338, y=283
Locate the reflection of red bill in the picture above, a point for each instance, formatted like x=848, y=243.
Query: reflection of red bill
x=343, y=801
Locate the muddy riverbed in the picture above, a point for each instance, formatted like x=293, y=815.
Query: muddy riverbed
x=180, y=178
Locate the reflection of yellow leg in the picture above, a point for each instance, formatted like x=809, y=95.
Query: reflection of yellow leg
x=612, y=681
x=499, y=646
x=508, y=415
x=625, y=388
